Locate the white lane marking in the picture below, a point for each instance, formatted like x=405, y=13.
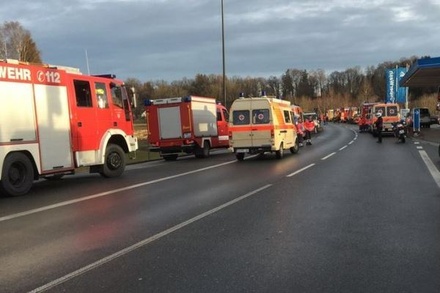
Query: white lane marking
x=416, y=142
x=144, y=242
x=431, y=167
x=351, y=142
x=419, y=148
x=105, y=193
x=328, y=156
x=300, y=170
x=343, y=147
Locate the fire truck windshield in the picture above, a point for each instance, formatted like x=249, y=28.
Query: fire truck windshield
x=117, y=96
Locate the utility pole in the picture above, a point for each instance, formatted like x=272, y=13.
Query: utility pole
x=223, y=54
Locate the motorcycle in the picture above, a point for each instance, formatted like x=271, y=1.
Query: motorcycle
x=399, y=129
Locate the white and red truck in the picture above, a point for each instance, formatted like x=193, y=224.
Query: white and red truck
x=54, y=120
x=191, y=125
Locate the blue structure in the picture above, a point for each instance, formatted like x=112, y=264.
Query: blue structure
x=424, y=72
x=395, y=92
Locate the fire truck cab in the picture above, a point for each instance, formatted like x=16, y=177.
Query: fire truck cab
x=54, y=120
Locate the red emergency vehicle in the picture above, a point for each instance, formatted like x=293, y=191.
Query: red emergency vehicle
x=191, y=125
x=54, y=120
x=366, y=117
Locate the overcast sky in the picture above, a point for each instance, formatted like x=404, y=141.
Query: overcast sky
x=170, y=40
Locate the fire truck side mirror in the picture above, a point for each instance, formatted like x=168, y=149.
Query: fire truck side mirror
x=133, y=97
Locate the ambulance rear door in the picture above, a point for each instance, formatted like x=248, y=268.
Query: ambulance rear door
x=262, y=123
x=251, y=125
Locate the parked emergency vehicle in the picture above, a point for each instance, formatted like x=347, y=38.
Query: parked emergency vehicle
x=191, y=125
x=54, y=119
x=390, y=114
x=262, y=124
x=330, y=114
x=366, y=117
x=297, y=112
x=297, y=115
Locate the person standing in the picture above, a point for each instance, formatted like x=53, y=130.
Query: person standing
x=300, y=131
x=379, y=126
x=309, y=126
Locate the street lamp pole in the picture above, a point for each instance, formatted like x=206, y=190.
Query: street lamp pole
x=223, y=54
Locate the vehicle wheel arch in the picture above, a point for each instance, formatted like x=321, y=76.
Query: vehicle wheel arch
x=203, y=150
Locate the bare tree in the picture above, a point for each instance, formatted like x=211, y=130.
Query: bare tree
x=16, y=43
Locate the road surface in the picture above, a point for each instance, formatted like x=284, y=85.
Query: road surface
x=344, y=215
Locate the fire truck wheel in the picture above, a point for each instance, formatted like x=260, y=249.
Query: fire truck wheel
x=172, y=157
x=280, y=153
x=202, y=152
x=239, y=156
x=17, y=175
x=114, y=164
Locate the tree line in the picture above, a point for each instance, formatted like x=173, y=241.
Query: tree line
x=311, y=89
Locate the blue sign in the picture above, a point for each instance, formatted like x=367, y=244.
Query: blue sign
x=395, y=93
x=391, y=92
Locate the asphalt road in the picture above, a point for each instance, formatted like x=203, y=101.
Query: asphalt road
x=344, y=215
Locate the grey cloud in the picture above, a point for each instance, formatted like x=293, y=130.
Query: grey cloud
x=170, y=40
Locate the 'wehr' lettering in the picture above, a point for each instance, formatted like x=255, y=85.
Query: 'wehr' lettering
x=15, y=73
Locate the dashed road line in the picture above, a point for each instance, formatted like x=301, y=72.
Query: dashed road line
x=431, y=167
x=328, y=156
x=300, y=170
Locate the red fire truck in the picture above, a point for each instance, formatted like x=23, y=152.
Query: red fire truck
x=191, y=125
x=366, y=117
x=54, y=120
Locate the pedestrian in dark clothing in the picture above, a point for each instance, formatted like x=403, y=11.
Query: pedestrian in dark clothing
x=379, y=126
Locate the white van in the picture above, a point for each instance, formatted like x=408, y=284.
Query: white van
x=390, y=114
x=262, y=124
x=425, y=117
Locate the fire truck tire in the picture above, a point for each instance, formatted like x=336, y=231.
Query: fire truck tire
x=170, y=157
x=202, y=152
x=18, y=175
x=239, y=156
x=280, y=153
x=114, y=164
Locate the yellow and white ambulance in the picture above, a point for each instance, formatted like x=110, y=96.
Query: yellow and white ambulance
x=260, y=125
